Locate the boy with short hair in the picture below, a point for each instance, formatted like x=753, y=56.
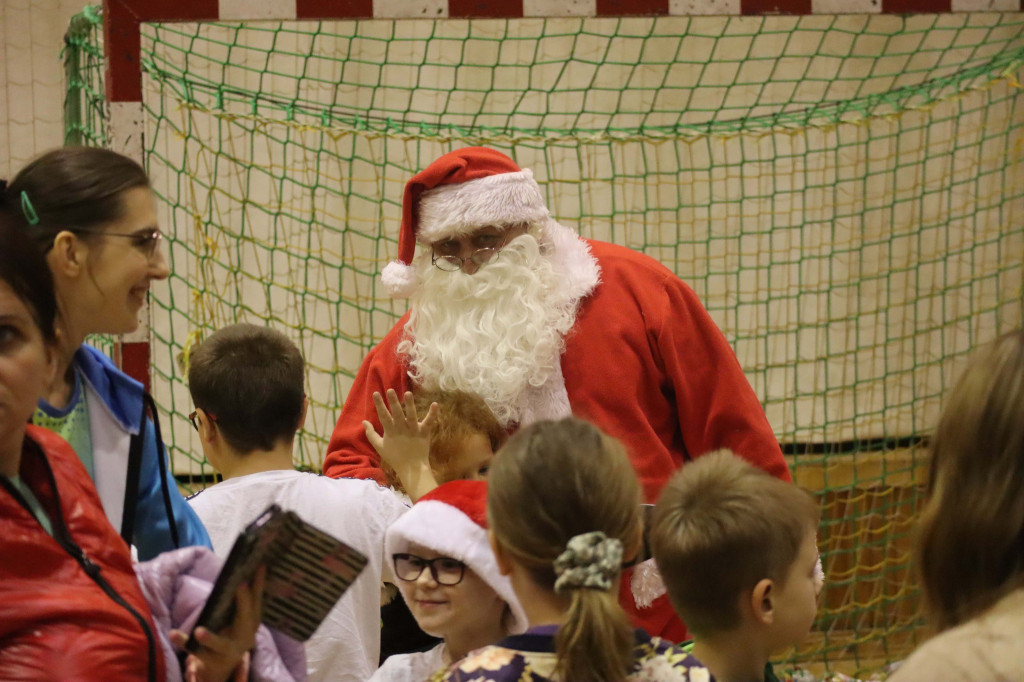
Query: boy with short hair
x=737, y=551
x=247, y=386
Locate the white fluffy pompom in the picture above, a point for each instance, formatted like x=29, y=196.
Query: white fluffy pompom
x=399, y=279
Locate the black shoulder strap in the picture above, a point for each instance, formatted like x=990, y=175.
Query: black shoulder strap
x=131, y=488
x=131, y=484
x=161, y=459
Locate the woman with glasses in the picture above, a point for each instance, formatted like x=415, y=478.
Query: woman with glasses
x=445, y=569
x=93, y=214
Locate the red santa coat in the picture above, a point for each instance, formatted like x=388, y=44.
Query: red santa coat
x=644, y=362
x=70, y=605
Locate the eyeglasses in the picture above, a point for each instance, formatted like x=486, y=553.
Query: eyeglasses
x=481, y=257
x=146, y=242
x=444, y=570
x=455, y=263
x=195, y=424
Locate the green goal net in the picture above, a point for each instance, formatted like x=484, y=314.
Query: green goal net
x=845, y=194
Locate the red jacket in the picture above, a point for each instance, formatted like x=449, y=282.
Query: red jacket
x=644, y=362
x=70, y=605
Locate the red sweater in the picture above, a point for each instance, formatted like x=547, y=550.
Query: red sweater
x=70, y=605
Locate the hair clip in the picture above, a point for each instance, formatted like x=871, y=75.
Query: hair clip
x=26, y=207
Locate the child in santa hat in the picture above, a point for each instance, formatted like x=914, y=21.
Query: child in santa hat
x=456, y=439
x=445, y=569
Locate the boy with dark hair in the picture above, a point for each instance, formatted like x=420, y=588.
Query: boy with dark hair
x=737, y=551
x=247, y=386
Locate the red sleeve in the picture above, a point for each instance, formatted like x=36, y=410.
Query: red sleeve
x=349, y=454
x=717, y=406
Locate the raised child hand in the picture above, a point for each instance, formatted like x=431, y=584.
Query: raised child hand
x=405, y=443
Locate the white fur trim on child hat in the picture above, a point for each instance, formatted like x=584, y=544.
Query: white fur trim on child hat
x=452, y=521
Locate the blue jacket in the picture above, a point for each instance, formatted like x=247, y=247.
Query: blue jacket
x=116, y=410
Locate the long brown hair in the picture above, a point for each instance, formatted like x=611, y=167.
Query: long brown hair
x=971, y=540
x=23, y=268
x=72, y=188
x=551, y=482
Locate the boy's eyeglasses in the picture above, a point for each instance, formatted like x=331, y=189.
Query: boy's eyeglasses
x=146, y=242
x=444, y=570
x=195, y=424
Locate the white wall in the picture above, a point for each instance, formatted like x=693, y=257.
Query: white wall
x=31, y=78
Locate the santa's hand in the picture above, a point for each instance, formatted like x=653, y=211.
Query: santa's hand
x=405, y=442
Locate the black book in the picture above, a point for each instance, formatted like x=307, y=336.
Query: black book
x=307, y=572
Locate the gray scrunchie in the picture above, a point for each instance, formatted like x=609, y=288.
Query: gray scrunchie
x=589, y=560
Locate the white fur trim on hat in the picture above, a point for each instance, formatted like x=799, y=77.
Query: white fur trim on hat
x=444, y=529
x=460, y=209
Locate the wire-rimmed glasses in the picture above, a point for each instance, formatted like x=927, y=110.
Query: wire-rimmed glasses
x=480, y=257
x=146, y=241
x=195, y=424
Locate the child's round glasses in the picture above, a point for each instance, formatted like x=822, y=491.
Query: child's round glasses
x=444, y=570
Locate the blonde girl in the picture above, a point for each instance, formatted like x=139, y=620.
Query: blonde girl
x=564, y=512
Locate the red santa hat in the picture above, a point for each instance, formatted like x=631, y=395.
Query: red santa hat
x=454, y=196
x=452, y=521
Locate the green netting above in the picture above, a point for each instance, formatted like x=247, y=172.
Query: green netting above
x=845, y=194
x=589, y=79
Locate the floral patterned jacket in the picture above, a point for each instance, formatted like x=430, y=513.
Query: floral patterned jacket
x=530, y=657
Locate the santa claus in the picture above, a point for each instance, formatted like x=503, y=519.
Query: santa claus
x=507, y=303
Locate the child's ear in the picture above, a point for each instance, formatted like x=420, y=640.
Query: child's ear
x=302, y=417
x=208, y=431
x=500, y=556
x=762, y=602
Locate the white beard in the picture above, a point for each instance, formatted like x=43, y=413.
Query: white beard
x=498, y=333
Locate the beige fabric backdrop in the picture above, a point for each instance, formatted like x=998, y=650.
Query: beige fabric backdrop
x=31, y=78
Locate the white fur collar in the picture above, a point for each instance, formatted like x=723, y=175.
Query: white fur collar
x=571, y=256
